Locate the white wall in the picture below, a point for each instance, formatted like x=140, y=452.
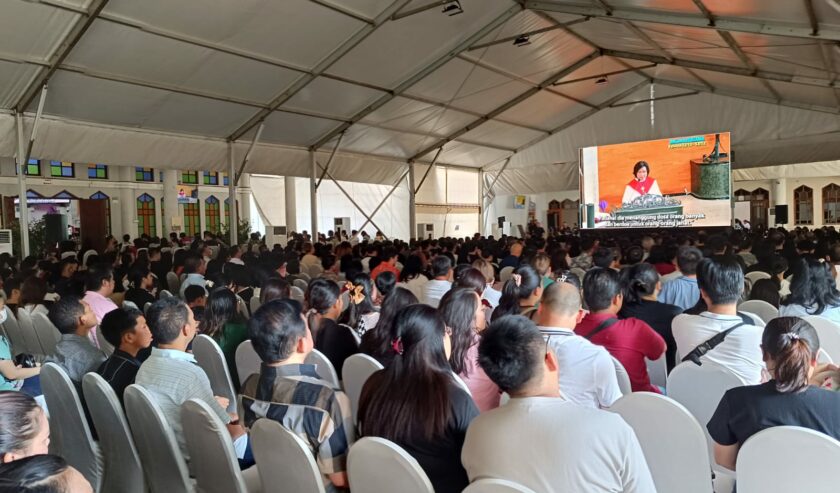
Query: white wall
x=502, y=205
x=789, y=185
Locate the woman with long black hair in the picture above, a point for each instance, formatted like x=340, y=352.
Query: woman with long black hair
x=223, y=322
x=141, y=288
x=376, y=342
x=812, y=292
x=416, y=403
x=463, y=313
x=360, y=315
x=520, y=293
x=641, y=286
x=324, y=306
x=790, y=347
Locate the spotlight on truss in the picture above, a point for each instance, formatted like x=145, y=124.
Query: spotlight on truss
x=522, y=40
x=452, y=8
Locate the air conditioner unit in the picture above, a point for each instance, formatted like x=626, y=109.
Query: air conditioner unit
x=276, y=235
x=341, y=224
x=6, y=241
x=425, y=231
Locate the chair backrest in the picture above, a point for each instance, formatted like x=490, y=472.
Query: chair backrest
x=658, y=371
x=757, y=321
x=146, y=307
x=211, y=359
x=314, y=271
x=490, y=485
x=70, y=435
x=300, y=283
x=30, y=337
x=788, y=458
x=166, y=294
x=672, y=440
x=212, y=458
x=284, y=458
x=304, y=275
x=242, y=308
x=123, y=469
x=764, y=310
x=580, y=273
x=46, y=332
x=104, y=345
x=173, y=282
x=355, y=372
x=247, y=361
x=506, y=273
x=14, y=333
x=374, y=462
x=623, y=377
x=829, y=334
x=255, y=303
x=164, y=464
x=752, y=277
x=296, y=293
x=130, y=304
x=324, y=368
x=700, y=389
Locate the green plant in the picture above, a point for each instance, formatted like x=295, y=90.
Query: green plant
x=243, y=231
x=37, y=237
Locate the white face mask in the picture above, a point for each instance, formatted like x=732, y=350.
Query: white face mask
x=3, y=315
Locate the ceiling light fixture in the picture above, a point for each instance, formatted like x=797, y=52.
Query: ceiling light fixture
x=452, y=8
x=522, y=40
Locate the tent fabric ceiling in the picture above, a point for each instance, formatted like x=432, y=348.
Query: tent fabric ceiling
x=168, y=84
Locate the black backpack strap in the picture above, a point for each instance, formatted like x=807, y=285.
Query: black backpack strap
x=602, y=326
x=709, y=344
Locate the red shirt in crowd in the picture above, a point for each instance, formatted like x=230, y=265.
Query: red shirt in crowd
x=630, y=341
x=382, y=267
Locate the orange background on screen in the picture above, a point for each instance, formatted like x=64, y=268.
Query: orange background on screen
x=671, y=168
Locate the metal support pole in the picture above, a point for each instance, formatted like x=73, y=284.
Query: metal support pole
x=496, y=178
x=412, y=203
x=330, y=160
x=357, y=206
x=234, y=216
x=36, y=123
x=24, y=207
x=250, y=151
x=482, y=210
x=384, y=199
x=428, y=170
x=313, y=193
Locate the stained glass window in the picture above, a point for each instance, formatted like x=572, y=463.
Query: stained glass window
x=146, y=214
x=97, y=171
x=62, y=169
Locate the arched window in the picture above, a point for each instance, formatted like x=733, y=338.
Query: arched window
x=831, y=204
x=211, y=214
x=146, y=215
x=107, y=199
x=192, y=225
x=803, y=205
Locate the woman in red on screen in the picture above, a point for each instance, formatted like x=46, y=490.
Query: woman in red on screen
x=641, y=184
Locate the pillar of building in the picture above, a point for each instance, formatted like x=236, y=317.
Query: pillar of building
x=170, y=196
x=291, y=208
x=243, y=192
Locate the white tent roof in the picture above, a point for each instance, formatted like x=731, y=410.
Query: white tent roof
x=167, y=84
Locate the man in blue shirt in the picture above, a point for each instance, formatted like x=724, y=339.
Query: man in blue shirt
x=683, y=291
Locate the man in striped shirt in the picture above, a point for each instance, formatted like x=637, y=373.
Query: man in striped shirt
x=290, y=392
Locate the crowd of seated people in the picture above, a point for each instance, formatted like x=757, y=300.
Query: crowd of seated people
x=452, y=336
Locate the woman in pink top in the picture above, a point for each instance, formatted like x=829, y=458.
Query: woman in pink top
x=463, y=312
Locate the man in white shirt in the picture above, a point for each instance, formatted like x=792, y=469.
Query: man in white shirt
x=538, y=439
x=721, y=281
x=586, y=371
x=441, y=281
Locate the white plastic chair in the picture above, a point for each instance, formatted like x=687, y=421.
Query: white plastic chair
x=304, y=276
x=374, y=462
x=123, y=470
x=315, y=270
x=324, y=368
x=829, y=334
x=47, y=333
x=247, y=361
x=300, y=283
x=784, y=459
x=255, y=304
x=242, y=308
x=146, y=307
x=658, y=371
x=355, y=372
x=130, y=304
x=700, y=389
x=212, y=459
x=70, y=435
x=764, y=310
x=680, y=461
x=211, y=359
x=104, y=345
x=173, y=282
x=489, y=485
x=14, y=333
x=166, y=294
x=284, y=459
x=296, y=294
x=164, y=464
x=505, y=274
x=623, y=378
x=752, y=277
x=30, y=337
